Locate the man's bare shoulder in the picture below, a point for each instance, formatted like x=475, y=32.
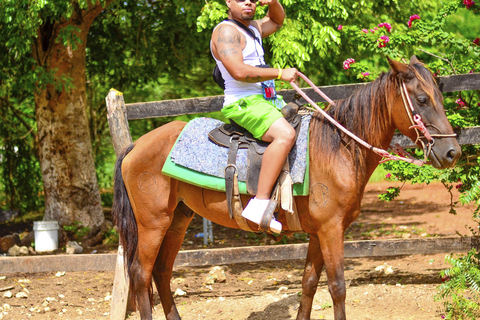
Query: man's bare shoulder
x=226, y=33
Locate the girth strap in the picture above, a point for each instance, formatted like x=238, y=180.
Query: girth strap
x=234, y=200
x=231, y=174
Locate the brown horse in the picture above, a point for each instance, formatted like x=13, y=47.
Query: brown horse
x=152, y=231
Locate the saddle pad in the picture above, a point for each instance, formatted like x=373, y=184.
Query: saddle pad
x=196, y=160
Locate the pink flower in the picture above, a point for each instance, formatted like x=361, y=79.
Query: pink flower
x=388, y=26
x=414, y=17
x=460, y=102
x=340, y=27
x=347, y=63
x=365, y=75
x=468, y=3
x=383, y=41
x=365, y=30
x=458, y=186
x=388, y=175
x=477, y=41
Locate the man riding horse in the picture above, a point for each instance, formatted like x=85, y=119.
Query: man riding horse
x=250, y=99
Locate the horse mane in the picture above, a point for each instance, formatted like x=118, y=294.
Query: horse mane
x=366, y=113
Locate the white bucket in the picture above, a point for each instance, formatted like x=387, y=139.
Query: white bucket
x=46, y=235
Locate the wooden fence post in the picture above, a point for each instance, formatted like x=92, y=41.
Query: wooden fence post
x=120, y=133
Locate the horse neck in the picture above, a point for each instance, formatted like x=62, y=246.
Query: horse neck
x=368, y=115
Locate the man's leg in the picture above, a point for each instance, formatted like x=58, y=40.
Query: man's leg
x=281, y=136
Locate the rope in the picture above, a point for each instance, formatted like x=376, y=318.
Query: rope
x=417, y=124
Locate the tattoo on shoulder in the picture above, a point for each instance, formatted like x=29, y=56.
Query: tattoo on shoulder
x=227, y=36
x=253, y=78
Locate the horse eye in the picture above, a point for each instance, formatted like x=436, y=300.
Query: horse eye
x=422, y=100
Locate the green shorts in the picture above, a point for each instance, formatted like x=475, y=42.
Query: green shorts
x=254, y=113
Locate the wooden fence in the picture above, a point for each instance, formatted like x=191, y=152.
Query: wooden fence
x=119, y=113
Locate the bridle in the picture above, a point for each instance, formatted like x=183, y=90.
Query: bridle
x=415, y=119
x=419, y=126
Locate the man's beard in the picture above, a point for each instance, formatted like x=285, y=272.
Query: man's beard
x=246, y=17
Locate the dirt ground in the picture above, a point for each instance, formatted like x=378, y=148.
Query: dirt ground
x=272, y=290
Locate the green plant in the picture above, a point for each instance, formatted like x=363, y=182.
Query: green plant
x=76, y=231
x=390, y=194
x=460, y=292
x=110, y=237
x=106, y=196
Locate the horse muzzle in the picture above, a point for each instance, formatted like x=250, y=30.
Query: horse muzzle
x=445, y=153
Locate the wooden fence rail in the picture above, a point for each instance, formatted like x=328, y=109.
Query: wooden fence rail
x=119, y=114
x=167, y=108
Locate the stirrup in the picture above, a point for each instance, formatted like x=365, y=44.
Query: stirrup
x=267, y=217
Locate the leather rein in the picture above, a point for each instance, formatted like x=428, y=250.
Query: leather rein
x=415, y=120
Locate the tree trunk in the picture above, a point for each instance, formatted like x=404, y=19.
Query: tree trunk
x=65, y=146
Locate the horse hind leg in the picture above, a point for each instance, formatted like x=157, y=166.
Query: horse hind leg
x=152, y=228
x=162, y=271
x=311, y=276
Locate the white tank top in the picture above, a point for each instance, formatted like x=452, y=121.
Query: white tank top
x=252, y=55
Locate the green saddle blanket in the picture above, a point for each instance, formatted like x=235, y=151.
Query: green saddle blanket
x=196, y=160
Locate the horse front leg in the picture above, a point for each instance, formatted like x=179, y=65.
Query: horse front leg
x=162, y=271
x=311, y=276
x=331, y=243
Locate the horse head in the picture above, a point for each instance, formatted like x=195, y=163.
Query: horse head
x=422, y=104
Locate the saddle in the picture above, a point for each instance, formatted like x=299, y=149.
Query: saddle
x=235, y=137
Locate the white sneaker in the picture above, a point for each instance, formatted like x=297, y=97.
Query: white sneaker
x=255, y=210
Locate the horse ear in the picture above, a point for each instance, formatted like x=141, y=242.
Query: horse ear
x=397, y=66
x=414, y=60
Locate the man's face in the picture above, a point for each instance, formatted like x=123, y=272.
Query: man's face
x=243, y=9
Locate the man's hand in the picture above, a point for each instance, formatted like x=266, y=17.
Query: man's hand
x=290, y=74
x=266, y=2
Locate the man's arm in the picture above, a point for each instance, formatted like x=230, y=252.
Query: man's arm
x=273, y=20
x=228, y=43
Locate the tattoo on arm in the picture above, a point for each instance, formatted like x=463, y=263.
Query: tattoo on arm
x=253, y=78
x=228, y=52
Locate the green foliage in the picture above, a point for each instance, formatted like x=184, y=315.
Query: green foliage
x=111, y=237
x=19, y=169
x=76, y=231
x=460, y=292
x=390, y=194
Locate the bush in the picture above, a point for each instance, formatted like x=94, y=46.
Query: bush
x=461, y=290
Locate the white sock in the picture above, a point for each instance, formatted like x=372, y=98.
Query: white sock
x=255, y=210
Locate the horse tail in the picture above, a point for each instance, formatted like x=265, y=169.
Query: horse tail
x=122, y=213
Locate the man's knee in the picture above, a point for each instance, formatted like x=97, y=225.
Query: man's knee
x=289, y=135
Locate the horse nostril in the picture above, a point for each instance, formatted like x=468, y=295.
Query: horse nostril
x=453, y=154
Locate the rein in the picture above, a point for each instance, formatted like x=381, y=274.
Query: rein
x=416, y=121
